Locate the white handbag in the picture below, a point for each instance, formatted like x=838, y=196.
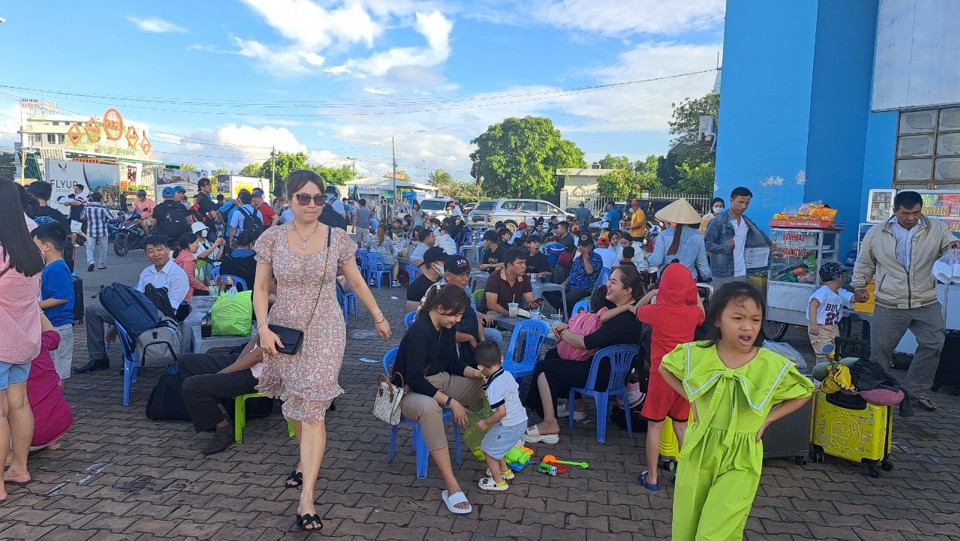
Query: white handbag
x=386, y=405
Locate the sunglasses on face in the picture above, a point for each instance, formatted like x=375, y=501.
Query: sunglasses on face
x=304, y=199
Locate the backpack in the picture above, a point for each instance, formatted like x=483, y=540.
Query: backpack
x=252, y=223
x=160, y=299
x=177, y=219
x=161, y=345
x=130, y=308
x=332, y=218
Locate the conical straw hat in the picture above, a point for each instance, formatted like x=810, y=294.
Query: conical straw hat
x=680, y=212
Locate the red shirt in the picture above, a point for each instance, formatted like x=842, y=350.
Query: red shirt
x=51, y=412
x=267, y=214
x=676, y=315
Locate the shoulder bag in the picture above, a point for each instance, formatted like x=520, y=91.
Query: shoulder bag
x=293, y=338
x=386, y=405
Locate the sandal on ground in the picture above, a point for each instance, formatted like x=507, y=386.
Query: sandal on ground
x=454, y=499
x=488, y=484
x=533, y=435
x=295, y=479
x=507, y=475
x=309, y=523
x=642, y=479
x=925, y=403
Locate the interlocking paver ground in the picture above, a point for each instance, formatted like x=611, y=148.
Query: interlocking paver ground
x=120, y=476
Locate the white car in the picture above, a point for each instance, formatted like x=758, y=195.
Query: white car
x=513, y=211
x=438, y=208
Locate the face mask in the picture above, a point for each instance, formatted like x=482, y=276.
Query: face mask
x=717, y=210
x=439, y=270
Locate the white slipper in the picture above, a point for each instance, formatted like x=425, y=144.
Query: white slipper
x=507, y=475
x=488, y=484
x=453, y=500
x=533, y=435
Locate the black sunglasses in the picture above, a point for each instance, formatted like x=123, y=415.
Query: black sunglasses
x=304, y=199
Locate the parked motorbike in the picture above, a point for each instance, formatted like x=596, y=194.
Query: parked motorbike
x=129, y=234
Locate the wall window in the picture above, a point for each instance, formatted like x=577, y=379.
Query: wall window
x=51, y=138
x=928, y=148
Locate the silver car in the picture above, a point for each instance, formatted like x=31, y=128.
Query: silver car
x=513, y=211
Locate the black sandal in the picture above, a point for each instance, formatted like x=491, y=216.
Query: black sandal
x=309, y=520
x=295, y=479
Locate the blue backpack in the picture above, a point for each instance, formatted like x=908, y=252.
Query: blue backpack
x=131, y=308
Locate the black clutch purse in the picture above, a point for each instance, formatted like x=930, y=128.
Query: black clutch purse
x=291, y=338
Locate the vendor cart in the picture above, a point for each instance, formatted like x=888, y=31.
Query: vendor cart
x=799, y=250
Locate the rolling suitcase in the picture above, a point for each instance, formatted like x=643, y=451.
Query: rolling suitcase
x=948, y=371
x=77, y=299
x=846, y=426
x=789, y=437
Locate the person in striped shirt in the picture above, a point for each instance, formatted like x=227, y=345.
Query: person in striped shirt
x=96, y=214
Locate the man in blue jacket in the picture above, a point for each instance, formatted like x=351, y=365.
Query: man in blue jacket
x=731, y=237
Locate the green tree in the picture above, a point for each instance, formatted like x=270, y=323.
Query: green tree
x=519, y=157
x=685, y=119
x=615, y=162
x=444, y=182
x=284, y=163
x=698, y=179
x=333, y=175
x=188, y=167
x=617, y=184
x=251, y=169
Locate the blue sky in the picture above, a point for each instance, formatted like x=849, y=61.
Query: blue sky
x=219, y=83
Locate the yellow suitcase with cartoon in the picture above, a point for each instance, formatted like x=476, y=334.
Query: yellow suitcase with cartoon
x=846, y=426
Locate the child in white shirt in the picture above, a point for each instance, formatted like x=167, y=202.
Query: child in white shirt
x=445, y=242
x=824, y=309
x=509, y=419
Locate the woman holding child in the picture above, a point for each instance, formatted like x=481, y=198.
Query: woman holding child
x=438, y=379
x=554, y=375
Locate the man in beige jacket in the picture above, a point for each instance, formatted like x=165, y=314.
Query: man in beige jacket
x=899, y=254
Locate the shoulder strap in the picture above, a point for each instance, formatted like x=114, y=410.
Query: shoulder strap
x=10, y=266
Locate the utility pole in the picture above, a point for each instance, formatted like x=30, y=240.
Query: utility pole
x=393, y=145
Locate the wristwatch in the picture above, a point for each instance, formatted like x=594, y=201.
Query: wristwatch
x=447, y=404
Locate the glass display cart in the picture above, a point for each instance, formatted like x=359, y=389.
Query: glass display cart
x=796, y=258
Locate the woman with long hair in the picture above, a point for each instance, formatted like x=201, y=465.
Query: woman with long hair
x=186, y=257
x=438, y=379
x=554, y=376
x=382, y=245
x=20, y=266
x=305, y=257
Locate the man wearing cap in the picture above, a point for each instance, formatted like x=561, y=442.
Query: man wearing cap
x=180, y=196
x=728, y=237
x=510, y=284
x=144, y=206
x=682, y=241
x=606, y=253
x=583, y=274
x=266, y=212
x=456, y=271
x=583, y=215
x=522, y=231
x=492, y=257
x=245, y=209
x=171, y=216
x=333, y=199
x=208, y=210
x=432, y=268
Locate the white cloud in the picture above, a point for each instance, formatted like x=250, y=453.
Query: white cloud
x=281, y=61
x=156, y=25
x=433, y=26
x=618, y=18
x=313, y=27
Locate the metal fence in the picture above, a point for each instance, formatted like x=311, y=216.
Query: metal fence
x=597, y=203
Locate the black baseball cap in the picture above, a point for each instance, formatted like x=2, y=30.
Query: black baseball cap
x=586, y=239
x=203, y=182
x=456, y=264
x=434, y=254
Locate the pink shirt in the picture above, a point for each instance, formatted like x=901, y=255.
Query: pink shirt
x=51, y=413
x=19, y=314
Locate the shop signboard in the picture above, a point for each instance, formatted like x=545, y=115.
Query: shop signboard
x=63, y=175
x=944, y=205
x=177, y=177
x=111, y=135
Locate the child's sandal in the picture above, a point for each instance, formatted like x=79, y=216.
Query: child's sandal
x=507, y=475
x=488, y=484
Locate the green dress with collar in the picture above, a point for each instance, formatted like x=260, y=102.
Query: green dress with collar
x=721, y=459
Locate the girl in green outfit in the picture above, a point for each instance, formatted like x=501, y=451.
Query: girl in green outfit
x=736, y=390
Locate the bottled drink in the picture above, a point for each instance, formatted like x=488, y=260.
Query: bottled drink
x=206, y=326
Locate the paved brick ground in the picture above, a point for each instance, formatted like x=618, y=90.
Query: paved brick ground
x=121, y=476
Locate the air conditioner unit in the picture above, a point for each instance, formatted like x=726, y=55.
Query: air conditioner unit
x=707, y=130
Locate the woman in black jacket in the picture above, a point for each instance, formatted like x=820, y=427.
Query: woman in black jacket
x=438, y=379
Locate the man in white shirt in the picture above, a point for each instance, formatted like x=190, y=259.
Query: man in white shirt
x=162, y=272
x=608, y=254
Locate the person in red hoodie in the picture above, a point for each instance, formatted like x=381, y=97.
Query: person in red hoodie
x=674, y=318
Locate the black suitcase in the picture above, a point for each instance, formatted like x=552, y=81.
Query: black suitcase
x=77, y=299
x=948, y=372
x=789, y=437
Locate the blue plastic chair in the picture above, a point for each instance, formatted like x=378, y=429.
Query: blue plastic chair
x=131, y=364
x=376, y=268
x=582, y=305
x=419, y=444
x=523, y=352
x=604, y=276
x=621, y=359
x=361, y=256
x=408, y=319
x=349, y=300
x=412, y=271
x=237, y=281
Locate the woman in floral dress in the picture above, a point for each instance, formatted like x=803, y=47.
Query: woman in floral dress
x=305, y=256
